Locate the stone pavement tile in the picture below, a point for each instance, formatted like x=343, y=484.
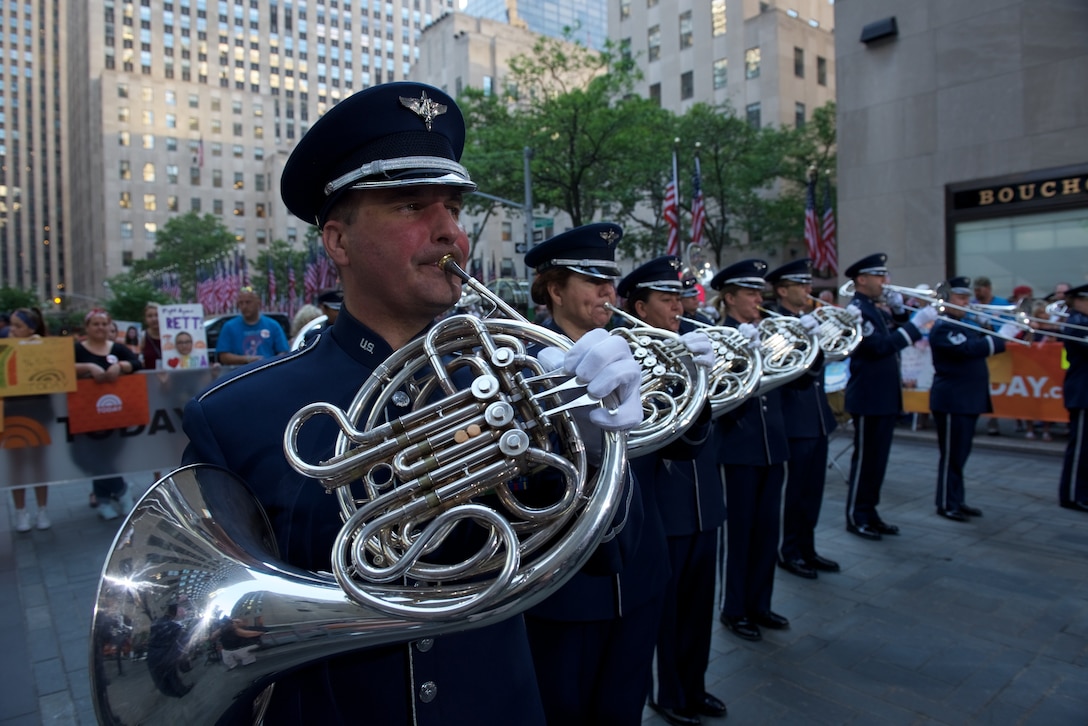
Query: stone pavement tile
x=49, y=676
x=1055, y=710
x=58, y=708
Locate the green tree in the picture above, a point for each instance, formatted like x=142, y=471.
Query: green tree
x=129, y=293
x=575, y=109
x=182, y=244
x=280, y=258
x=12, y=298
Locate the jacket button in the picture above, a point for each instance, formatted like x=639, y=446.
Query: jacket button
x=428, y=691
x=424, y=645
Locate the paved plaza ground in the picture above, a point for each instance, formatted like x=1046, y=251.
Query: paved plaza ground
x=949, y=623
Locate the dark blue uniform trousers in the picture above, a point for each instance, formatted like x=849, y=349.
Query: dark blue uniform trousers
x=803, y=497
x=574, y=690
x=872, y=446
x=1074, y=482
x=683, y=641
x=955, y=434
x=753, y=497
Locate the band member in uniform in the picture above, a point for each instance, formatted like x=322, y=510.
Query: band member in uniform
x=691, y=502
x=809, y=422
x=752, y=451
x=959, y=394
x=874, y=396
x=689, y=299
x=1073, y=490
x=379, y=175
x=593, y=640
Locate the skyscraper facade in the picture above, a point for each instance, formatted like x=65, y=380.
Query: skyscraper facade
x=587, y=19
x=153, y=108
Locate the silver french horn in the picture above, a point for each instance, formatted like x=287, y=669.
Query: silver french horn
x=479, y=412
x=787, y=350
x=737, y=368
x=838, y=333
x=673, y=388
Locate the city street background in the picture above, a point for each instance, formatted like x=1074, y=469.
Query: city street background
x=949, y=623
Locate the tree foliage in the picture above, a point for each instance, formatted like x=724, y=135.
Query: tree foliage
x=129, y=294
x=12, y=298
x=185, y=242
x=575, y=109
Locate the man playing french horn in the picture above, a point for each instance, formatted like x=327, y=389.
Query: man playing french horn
x=809, y=423
x=379, y=175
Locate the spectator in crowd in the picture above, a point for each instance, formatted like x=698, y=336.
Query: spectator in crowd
x=250, y=336
x=330, y=301
x=5, y=322
x=29, y=323
x=306, y=314
x=151, y=350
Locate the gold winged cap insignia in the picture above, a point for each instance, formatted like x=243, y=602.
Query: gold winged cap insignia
x=426, y=108
x=610, y=236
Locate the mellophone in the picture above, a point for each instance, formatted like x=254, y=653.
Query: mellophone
x=480, y=414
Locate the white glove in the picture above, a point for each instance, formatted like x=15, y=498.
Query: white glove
x=751, y=332
x=809, y=322
x=702, y=350
x=605, y=364
x=894, y=300
x=1010, y=330
x=855, y=311
x=924, y=316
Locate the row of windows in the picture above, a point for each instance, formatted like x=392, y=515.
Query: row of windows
x=151, y=229
x=717, y=19
x=149, y=174
x=148, y=141
x=151, y=204
x=799, y=66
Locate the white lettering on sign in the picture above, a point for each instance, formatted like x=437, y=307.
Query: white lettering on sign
x=1026, y=387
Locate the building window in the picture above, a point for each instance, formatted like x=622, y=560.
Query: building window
x=125, y=169
x=259, y=210
x=171, y=121
x=217, y=206
x=126, y=258
x=625, y=9
x=149, y=172
x=126, y=230
x=171, y=143
x=126, y=200
x=687, y=85
x=717, y=17
x=148, y=117
x=239, y=180
x=239, y=209
x=721, y=73
x=752, y=112
x=194, y=101
x=507, y=231
x=685, y=30
x=122, y=114
x=194, y=176
x=799, y=115
x=821, y=70
x=653, y=39
x=217, y=178
x=149, y=203
x=751, y=63
x=149, y=141
x=655, y=93
x=122, y=90
x=194, y=204
x=123, y=138
x=799, y=62
x=172, y=203
x=238, y=151
x=172, y=173
x=150, y=228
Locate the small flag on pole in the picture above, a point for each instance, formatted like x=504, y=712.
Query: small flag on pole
x=812, y=225
x=698, y=210
x=672, y=211
x=828, y=246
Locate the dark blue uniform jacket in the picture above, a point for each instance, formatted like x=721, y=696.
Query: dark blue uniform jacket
x=1075, y=388
x=961, y=378
x=875, y=388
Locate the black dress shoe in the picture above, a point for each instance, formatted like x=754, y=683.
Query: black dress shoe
x=712, y=706
x=885, y=528
x=798, y=567
x=970, y=511
x=742, y=627
x=953, y=514
x=863, y=530
x=674, y=716
x=772, y=621
x=822, y=564
x=1079, y=506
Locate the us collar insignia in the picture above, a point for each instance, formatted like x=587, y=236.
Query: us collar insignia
x=426, y=108
x=610, y=237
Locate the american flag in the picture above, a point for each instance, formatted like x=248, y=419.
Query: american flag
x=271, y=284
x=292, y=292
x=828, y=247
x=309, y=276
x=698, y=210
x=672, y=211
x=812, y=226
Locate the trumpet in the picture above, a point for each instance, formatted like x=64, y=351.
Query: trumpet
x=479, y=412
x=673, y=388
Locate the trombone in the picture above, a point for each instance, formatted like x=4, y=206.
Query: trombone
x=1000, y=313
x=1058, y=311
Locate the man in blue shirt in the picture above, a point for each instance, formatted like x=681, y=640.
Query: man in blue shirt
x=251, y=336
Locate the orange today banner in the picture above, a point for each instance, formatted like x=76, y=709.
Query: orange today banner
x=1025, y=383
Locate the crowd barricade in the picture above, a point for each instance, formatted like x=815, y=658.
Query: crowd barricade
x=37, y=447
x=1025, y=381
